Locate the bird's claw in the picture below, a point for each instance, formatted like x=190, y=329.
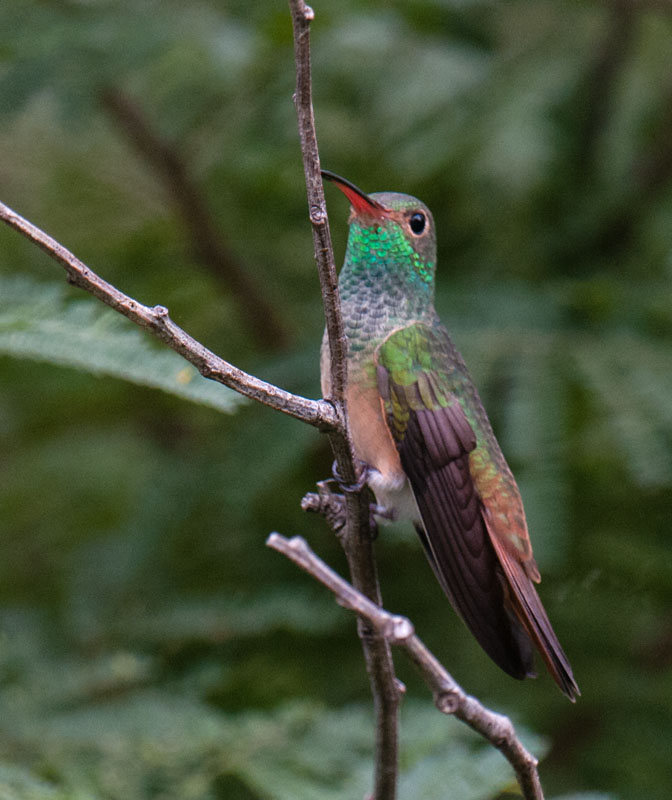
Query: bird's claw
x=331, y=500
x=358, y=485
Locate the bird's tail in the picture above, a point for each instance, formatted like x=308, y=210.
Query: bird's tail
x=522, y=598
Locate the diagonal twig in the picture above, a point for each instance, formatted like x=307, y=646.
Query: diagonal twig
x=449, y=697
x=601, y=80
x=319, y=413
x=207, y=242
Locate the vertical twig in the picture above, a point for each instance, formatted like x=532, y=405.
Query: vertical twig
x=302, y=15
x=357, y=540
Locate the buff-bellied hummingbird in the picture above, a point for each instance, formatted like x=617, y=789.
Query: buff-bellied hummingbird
x=420, y=429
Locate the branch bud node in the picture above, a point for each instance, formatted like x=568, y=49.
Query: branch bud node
x=447, y=702
x=399, y=628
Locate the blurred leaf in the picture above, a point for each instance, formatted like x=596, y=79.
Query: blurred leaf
x=629, y=377
x=237, y=617
x=36, y=321
x=442, y=759
x=298, y=750
x=17, y=783
x=586, y=796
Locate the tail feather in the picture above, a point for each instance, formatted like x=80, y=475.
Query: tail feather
x=524, y=601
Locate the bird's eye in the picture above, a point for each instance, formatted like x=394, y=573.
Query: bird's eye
x=417, y=223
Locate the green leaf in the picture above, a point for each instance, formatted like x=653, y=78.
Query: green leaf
x=629, y=377
x=238, y=617
x=100, y=723
x=587, y=796
x=39, y=322
x=17, y=783
x=441, y=758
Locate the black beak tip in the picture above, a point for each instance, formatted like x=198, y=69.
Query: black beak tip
x=331, y=176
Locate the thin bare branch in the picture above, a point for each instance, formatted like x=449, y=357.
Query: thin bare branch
x=207, y=242
x=302, y=15
x=357, y=538
x=319, y=413
x=449, y=697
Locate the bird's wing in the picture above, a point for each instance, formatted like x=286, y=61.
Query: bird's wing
x=474, y=529
x=420, y=385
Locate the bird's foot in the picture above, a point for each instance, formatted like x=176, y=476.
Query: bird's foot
x=377, y=513
x=327, y=503
x=332, y=506
x=362, y=472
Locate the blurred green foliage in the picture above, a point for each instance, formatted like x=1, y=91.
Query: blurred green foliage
x=150, y=645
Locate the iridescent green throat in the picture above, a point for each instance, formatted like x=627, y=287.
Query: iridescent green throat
x=384, y=283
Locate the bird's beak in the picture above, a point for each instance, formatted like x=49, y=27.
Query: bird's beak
x=361, y=203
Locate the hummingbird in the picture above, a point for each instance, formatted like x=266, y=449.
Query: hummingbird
x=419, y=428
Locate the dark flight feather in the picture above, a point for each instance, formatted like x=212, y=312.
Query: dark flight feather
x=456, y=540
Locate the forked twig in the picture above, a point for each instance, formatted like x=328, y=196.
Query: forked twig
x=449, y=696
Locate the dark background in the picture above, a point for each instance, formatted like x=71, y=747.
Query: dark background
x=150, y=645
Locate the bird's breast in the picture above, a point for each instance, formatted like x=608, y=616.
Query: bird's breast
x=372, y=442
x=375, y=447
